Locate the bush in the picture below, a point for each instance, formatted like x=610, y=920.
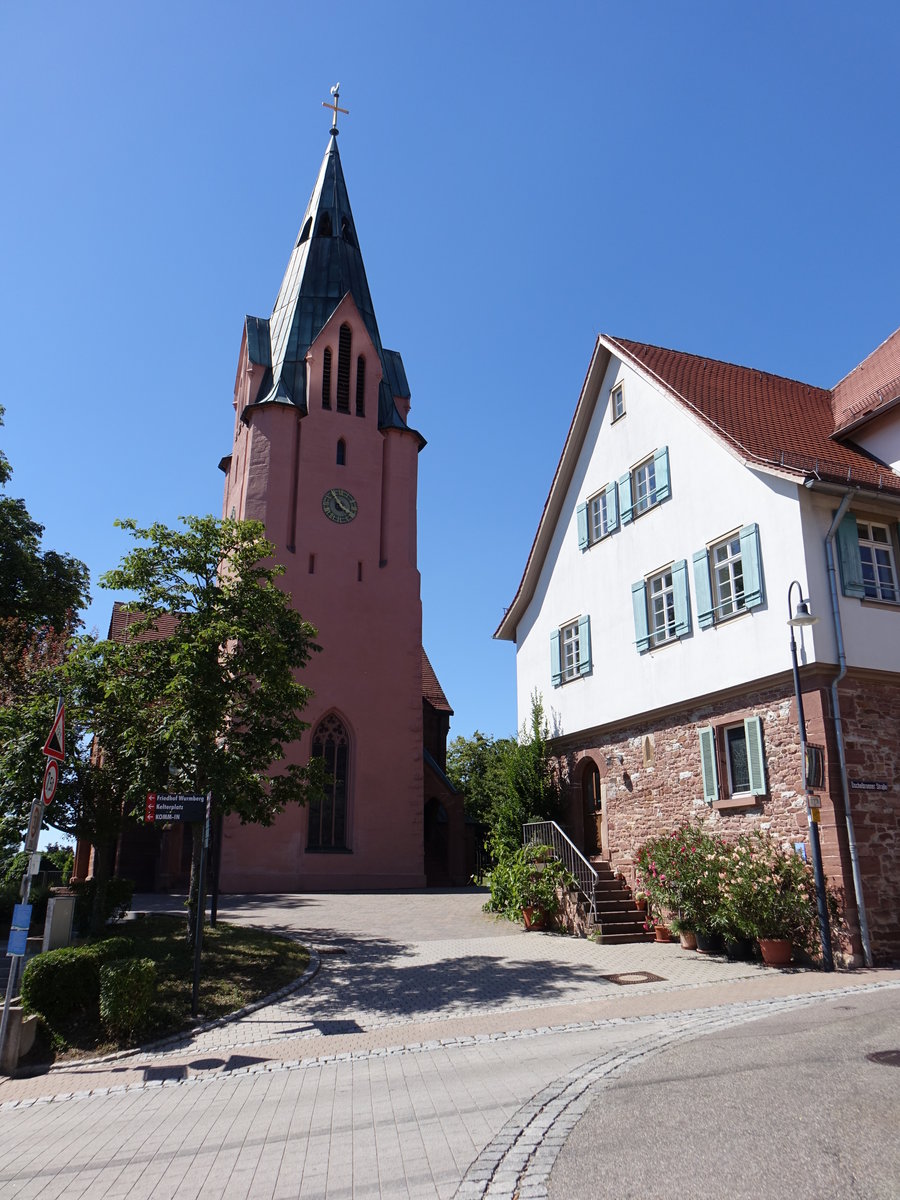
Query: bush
x=527, y=878
x=119, y=893
x=126, y=992
x=683, y=873
x=108, y=950
x=60, y=985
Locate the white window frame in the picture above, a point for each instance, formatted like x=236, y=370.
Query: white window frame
x=879, y=571
x=598, y=517
x=569, y=651
x=728, y=600
x=643, y=486
x=661, y=623
x=617, y=401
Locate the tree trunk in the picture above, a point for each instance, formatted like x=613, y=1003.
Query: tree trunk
x=103, y=857
x=194, y=900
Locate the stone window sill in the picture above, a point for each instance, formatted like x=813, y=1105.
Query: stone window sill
x=738, y=802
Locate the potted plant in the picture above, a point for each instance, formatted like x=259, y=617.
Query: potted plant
x=528, y=883
x=683, y=926
x=640, y=900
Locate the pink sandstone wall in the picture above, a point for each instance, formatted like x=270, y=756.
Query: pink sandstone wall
x=358, y=583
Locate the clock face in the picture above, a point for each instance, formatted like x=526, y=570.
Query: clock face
x=339, y=506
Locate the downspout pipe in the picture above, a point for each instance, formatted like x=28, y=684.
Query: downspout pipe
x=838, y=726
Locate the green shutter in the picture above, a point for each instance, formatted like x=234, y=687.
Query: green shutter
x=555, y=663
x=708, y=764
x=661, y=472
x=755, y=757
x=626, y=504
x=751, y=562
x=848, y=557
x=611, y=499
x=584, y=646
x=703, y=590
x=682, y=603
x=639, y=601
x=582, y=514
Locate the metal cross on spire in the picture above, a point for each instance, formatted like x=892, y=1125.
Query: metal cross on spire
x=335, y=107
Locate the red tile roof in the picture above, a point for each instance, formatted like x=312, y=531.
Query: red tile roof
x=431, y=689
x=122, y=618
x=777, y=421
x=873, y=385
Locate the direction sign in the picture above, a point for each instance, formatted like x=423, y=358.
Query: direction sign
x=162, y=807
x=55, y=745
x=51, y=779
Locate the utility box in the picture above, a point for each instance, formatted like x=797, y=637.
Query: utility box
x=58, y=923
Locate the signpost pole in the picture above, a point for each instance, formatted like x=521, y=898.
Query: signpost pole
x=201, y=906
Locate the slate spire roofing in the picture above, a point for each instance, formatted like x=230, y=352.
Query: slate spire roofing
x=325, y=265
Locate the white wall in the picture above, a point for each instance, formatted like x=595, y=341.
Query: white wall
x=712, y=494
x=881, y=437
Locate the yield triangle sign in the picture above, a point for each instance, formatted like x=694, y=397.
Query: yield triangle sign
x=55, y=745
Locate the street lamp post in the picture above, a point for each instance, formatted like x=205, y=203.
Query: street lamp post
x=801, y=617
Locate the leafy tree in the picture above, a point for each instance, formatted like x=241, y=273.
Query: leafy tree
x=475, y=767
x=37, y=587
x=531, y=791
x=217, y=699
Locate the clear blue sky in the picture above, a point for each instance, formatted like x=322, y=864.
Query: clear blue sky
x=718, y=178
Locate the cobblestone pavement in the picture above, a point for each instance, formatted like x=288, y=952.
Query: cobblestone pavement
x=434, y=1052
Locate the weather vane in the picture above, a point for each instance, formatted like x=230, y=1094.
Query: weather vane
x=335, y=107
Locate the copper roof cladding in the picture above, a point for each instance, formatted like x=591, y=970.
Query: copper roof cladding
x=869, y=388
x=123, y=617
x=775, y=421
x=431, y=689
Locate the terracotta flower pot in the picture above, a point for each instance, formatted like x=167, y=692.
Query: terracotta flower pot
x=688, y=939
x=641, y=905
x=662, y=933
x=776, y=952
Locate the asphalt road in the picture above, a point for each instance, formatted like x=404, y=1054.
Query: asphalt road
x=797, y=1105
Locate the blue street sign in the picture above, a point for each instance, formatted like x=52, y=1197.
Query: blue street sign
x=21, y=918
x=18, y=943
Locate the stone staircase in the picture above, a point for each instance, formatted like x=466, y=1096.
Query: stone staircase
x=618, y=917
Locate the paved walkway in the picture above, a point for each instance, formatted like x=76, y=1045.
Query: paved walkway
x=415, y=1061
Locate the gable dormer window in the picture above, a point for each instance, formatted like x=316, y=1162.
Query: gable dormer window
x=324, y=229
x=360, y=386
x=326, y=378
x=304, y=232
x=345, y=340
x=347, y=232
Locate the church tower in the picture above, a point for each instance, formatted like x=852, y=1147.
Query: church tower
x=324, y=456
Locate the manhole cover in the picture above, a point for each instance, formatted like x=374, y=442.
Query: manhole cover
x=627, y=977
x=885, y=1058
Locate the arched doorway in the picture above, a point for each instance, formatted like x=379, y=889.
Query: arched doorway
x=592, y=808
x=437, y=867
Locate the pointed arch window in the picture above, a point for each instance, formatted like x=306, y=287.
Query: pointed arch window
x=328, y=814
x=326, y=378
x=361, y=386
x=341, y=453
x=347, y=232
x=304, y=232
x=345, y=342
x=324, y=227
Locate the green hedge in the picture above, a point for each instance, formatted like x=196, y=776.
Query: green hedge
x=60, y=985
x=126, y=992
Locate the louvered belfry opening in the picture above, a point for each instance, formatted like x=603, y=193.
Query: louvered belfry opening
x=361, y=386
x=324, y=229
x=343, y=376
x=326, y=378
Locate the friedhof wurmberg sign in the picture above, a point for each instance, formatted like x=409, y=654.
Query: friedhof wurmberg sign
x=162, y=808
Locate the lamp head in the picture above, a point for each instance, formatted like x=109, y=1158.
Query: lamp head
x=802, y=615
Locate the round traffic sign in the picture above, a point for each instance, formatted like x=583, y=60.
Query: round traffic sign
x=51, y=779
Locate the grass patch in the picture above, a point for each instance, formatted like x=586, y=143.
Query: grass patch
x=239, y=966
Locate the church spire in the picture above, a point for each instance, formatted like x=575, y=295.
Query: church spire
x=324, y=266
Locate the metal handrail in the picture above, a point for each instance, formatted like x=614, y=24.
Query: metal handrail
x=548, y=833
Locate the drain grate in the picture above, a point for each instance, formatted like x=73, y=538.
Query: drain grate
x=628, y=977
x=885, y=1058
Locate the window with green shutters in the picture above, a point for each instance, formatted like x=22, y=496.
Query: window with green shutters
x=645, y=486
x=866, y=558
x=598, y=517
x=738, y=750
x=662, y=609
x=570, y=651
x=728, y=577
